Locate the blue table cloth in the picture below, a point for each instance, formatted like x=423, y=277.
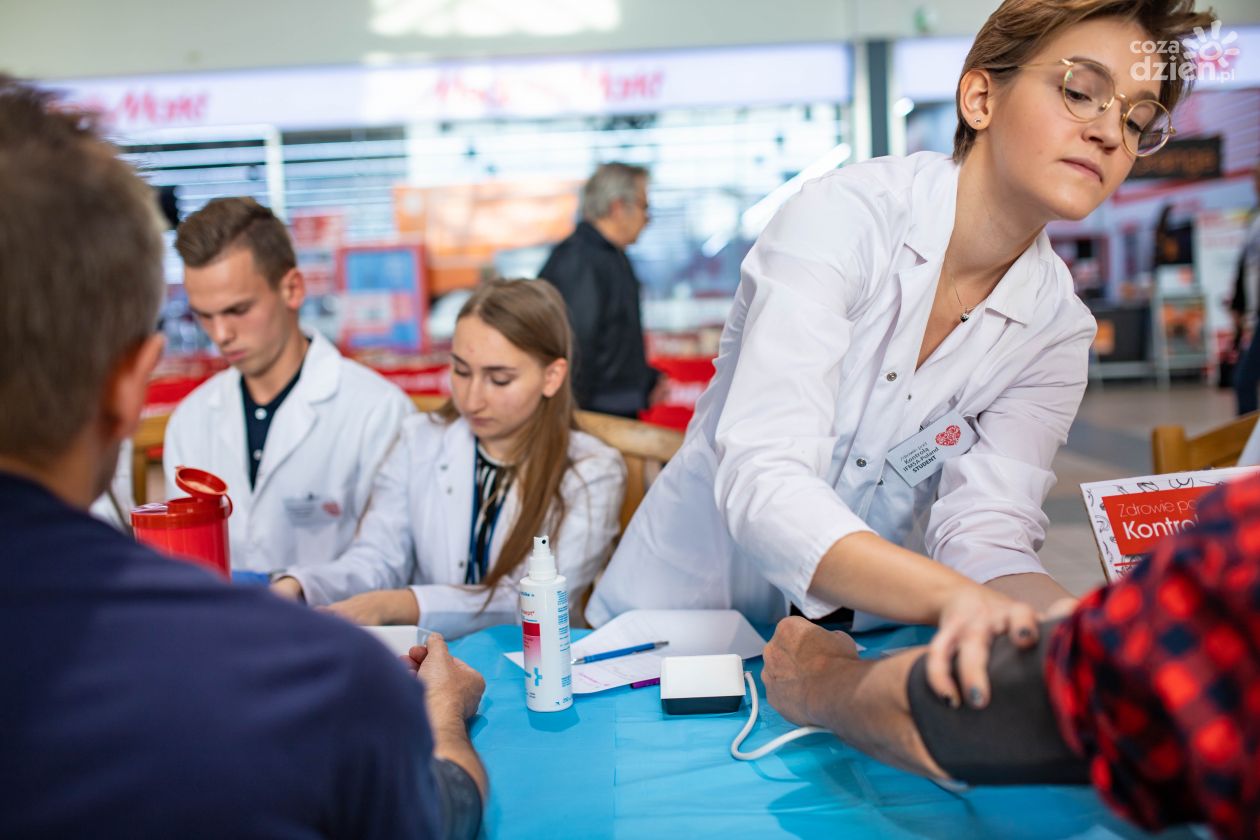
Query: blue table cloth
x=615, y=766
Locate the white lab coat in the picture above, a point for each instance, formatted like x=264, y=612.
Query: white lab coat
x=416, y=529
x=816, y=382
x=323, y=448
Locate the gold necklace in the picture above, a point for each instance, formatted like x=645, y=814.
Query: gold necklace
x=966, y=310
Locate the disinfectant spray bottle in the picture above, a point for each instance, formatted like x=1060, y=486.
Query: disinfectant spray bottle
x=545, y=624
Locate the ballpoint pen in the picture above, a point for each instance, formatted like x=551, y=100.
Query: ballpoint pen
x=611, y=654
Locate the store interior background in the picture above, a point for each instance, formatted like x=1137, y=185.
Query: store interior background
x=467, y=126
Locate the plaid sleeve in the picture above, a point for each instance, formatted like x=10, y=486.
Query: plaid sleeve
x=1155, y=679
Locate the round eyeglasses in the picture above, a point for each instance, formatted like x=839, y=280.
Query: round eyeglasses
x=1089, y=91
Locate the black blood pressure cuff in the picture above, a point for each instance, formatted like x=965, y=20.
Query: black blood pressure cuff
x=461, y=800
x=1014, y=740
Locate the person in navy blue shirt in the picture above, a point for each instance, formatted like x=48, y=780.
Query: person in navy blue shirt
x=143, y=696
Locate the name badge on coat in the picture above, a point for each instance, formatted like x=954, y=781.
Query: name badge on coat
x=922, y=455
x=311, y=511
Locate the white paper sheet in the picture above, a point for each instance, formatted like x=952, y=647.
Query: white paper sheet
x=399, y=638
x=689, y=633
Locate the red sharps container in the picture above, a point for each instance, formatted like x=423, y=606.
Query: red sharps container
x=193, y=528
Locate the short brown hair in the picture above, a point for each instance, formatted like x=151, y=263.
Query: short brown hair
x=228, y=223
x=1014, y=33
x=80, y=270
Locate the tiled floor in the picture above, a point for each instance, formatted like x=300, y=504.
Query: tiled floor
x=1111, y=438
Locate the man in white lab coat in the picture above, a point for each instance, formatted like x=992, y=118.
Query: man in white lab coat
x=296, y=430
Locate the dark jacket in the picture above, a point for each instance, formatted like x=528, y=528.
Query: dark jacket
x=598, y=285
x=145, y=697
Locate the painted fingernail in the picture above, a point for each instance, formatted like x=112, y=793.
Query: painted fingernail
x=1024, y=633
x=976, y=697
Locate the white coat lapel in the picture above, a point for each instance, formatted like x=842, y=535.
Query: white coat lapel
x=293, y=422
x=298, y=414
x=455, y=484
x=227, y=423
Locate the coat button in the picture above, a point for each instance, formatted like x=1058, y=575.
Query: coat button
x=892, y=376
x=442, y=467
x=450, y=490
x=861, y=462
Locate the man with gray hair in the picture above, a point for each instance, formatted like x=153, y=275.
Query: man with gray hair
x=592, y=272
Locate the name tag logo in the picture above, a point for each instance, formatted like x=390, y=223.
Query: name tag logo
x=922, y=455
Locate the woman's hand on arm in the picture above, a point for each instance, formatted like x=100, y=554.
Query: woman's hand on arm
x=388, y=606
x=866, y=572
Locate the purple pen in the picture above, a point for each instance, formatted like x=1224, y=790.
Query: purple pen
x=646, y=683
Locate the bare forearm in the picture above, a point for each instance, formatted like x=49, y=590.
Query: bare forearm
x=1040, y=591
x=866, y=706
x=867, y=572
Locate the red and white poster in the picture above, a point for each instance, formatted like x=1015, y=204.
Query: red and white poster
x=1130, y=516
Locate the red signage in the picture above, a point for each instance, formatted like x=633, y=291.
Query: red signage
x=1140, y=520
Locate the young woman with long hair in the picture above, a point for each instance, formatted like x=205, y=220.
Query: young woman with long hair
x=905, y=354
x=460, y=498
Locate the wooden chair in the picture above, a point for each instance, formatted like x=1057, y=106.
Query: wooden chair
x=1173, y=451
x=645, y=449
x=148, y=437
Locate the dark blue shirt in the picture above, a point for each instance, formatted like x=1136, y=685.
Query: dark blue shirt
x=144, y=697
x=258, y=422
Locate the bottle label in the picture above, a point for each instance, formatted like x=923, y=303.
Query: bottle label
x=562, y=610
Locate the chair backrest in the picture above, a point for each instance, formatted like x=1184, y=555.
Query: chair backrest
x=644, y=448
x=428, y=402
x=1174, y=451
x=145, y=443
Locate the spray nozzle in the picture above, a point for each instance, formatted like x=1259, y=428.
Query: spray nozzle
x=542, y=563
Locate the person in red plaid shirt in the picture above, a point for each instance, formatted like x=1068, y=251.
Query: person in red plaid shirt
x=1156, y=679
x=1149, y=689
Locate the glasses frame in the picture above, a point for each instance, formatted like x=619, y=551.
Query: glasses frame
x=1067, y=64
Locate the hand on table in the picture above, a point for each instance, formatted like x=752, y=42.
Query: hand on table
x=799, y=660
x=453, y=688
x=388, y=606
x=452, y=694
x=970, y=620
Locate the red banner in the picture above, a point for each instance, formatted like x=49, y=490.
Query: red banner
x=1140, y=520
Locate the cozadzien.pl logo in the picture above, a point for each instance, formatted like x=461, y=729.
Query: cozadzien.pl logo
x=1207, y=57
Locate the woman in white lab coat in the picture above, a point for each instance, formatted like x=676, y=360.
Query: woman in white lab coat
x=461, y=496
x=904, y=356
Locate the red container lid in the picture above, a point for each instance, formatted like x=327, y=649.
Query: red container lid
x=207, y=485
x=208, y=503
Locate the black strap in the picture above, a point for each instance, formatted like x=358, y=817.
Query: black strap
x=1014, y=740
